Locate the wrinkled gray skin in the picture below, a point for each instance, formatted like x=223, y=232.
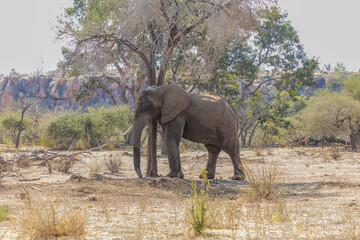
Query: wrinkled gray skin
x=203, y=118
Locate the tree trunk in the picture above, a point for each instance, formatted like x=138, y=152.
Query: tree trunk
x=252, y=134
x=17, y=142
x=151, y=170
x=353, y=141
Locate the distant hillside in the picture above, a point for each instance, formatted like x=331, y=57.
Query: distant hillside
x=50, y=92
x=53, y=92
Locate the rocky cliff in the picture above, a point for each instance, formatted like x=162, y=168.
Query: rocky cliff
x=51, y=93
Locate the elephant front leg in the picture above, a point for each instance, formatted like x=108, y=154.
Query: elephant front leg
x=173, y=133
x=213, y=152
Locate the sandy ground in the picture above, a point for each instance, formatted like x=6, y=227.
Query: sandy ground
x=318, y=198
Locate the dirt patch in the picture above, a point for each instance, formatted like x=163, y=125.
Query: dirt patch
x=318, y=197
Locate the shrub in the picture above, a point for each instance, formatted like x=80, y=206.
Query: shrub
x=10, y=121
x=88, y=129
x=198, y=204
x=262, y=180
x=105, y=123
x=66, y=129
x=113, y=163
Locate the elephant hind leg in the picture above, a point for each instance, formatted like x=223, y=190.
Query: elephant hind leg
x=213, y=152
x=236, y=161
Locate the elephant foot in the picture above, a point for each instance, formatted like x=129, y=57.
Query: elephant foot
x=238, y=177
x=173, y=174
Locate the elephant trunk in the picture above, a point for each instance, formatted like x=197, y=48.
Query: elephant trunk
x=138, y=127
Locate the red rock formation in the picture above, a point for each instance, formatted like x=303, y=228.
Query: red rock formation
x=51, y=92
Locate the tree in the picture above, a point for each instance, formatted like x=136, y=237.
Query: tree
x=331, y=114
x=15, y=123
x=153, y=30
x=274, y=47
x=352, y=86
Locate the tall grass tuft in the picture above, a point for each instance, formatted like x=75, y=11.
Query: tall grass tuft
x=263, y=180
x=51, y=221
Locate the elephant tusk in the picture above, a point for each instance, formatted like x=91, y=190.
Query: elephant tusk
x=129, y=130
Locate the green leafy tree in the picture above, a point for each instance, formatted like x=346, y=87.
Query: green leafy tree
x=331, y=114
x=352, y=86
x=153, y=30
x=275, y=47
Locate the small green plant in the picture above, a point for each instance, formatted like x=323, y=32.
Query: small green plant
x=4, y=212
x=198, y=204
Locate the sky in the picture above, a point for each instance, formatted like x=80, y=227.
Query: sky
x=328, y=29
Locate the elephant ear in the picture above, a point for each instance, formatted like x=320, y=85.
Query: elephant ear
x=174, y=101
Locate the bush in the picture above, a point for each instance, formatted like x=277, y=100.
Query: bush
x=88, y=129
x=10, y=121
x=66, y=129
x=263, y=180
x=105, y=123
x=198, y=204
x=113, y=163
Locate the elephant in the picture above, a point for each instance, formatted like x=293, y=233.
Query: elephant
x=203, y=118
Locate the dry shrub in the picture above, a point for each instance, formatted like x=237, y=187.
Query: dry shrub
x=270, y=151
x=263, y=180
x=95, y=166
x=49, y=220
x=324, y=154
x=113, y=163
x=66, y=163
x=335, y=153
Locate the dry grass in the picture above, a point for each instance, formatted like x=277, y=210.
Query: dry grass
x=263, y=180
x=257, y=151
x=335, y=153
x=66, y=163
x=50, y=219
x=113, y=163
x=95, y=166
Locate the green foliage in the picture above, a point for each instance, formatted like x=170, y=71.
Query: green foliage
x=106, y=122
x=88, y=129
x=352, y=86
x=263, y=98
x=198, y=204
x=326, y=114
x=10, y=121
x=275, y=47
x=67, y=129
